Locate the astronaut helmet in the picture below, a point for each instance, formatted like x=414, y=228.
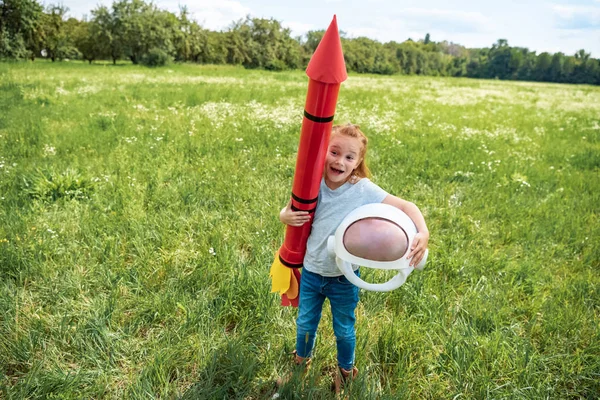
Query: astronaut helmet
x=376, y=236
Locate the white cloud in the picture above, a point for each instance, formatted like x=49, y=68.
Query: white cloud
x=443, y=20
x=577, y=17
x=211, y=14
x=372, y=33
x=414, y=23
x=298, y=28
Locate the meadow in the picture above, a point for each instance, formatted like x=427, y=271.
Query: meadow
x=139, y=218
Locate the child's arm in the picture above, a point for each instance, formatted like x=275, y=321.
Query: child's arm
x=421, y=239
x=293, y=218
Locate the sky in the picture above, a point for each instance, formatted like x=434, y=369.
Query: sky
x=560, y=25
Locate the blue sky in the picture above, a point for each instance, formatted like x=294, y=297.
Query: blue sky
x=539, y=25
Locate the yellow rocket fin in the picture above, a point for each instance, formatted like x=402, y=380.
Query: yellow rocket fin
x=292, y=292
x=280, y=276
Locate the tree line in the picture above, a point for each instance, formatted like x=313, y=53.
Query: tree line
x=142, y=33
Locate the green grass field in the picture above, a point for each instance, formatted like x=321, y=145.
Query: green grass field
x=138, y=222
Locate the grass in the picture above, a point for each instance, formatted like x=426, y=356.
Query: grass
x=138, y=213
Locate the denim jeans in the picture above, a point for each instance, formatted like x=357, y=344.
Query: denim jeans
x=343, y=298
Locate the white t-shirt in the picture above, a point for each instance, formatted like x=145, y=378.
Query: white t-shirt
x=332, y=208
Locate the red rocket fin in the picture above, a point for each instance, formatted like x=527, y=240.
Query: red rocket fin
x=327, y=63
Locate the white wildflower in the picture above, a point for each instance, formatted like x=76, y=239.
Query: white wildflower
x=85, y=90
x=454, y=201
x=516, y=177
x=49, y=150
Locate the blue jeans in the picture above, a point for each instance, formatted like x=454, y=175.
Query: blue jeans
x=343, y=298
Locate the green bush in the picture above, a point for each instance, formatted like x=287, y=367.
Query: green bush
x=11, y=47
x=50, y=186
x=275, y=65
x=156, y=58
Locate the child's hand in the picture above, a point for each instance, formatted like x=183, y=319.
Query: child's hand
x=293, y=218
x=417, y=250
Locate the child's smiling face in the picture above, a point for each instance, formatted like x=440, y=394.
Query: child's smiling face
x=343, y=156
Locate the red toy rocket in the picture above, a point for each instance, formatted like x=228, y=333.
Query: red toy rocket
x=326, y=70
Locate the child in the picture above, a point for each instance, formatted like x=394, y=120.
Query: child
x=345, y=186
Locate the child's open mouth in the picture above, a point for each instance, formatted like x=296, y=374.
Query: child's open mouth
x=337, y=171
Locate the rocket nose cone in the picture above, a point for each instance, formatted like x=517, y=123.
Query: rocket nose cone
x=327, y=63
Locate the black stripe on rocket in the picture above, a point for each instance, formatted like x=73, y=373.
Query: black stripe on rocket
x=314, y=118
x=310, y=211
x=290, y=265
x=304, y=201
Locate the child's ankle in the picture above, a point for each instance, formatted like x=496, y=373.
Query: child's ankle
x=347, y=372
x=301, y=360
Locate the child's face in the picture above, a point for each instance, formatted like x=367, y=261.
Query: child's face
x=343, y=156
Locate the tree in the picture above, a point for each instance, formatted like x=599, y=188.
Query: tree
x=57, y=42
x=582, y=55
x=139, y=27
x=406, y=54
x=499, y=65
x=103, y=32
x=89, y=40
x=527, y=69
x=21, y=32
x=182, y=39
x=313, y=38
x=586, y=69
x=237, y=53
x=568, y=68
x=209, y=47
x=457, y=66
x=129, y=27
x=477, y=65
x=555, y=72
x=542, y=67
x=360, y=54
x=263, y=43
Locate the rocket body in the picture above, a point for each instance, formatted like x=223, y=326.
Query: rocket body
x=314, y=139
x=326, y=71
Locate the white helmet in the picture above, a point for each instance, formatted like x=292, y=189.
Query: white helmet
x=391, y=216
